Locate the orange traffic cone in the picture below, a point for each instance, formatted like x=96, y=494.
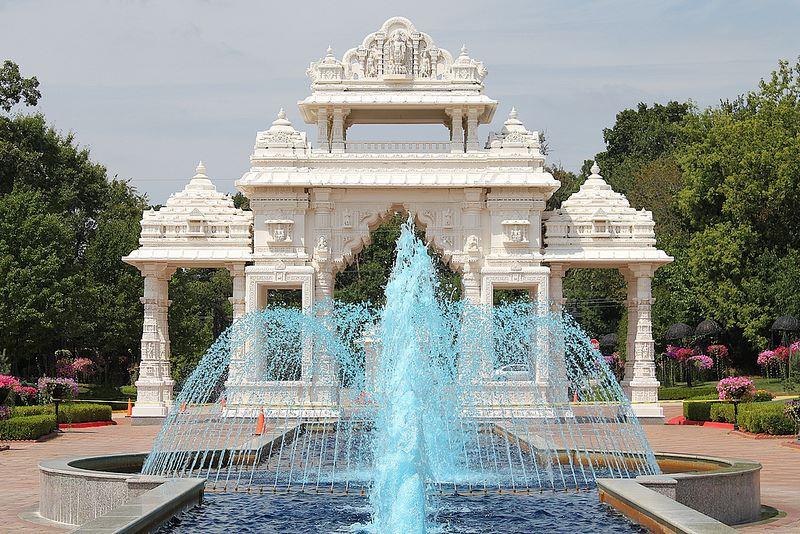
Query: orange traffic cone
x=260, y=423
x=130, y=408
x=223, y=402
x=183, y=406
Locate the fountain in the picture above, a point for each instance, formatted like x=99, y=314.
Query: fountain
x=408, y=404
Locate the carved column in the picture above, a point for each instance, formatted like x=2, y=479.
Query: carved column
x=555, y=341
x=323, y=130
x=630, y=305
x=239, y=291
x=472, y=130
x=154, y=386
x=456, y=130
x=337, y=130
x=641, y=384
x=471, y=284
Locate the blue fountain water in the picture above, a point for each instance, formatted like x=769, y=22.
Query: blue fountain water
x=286, y=401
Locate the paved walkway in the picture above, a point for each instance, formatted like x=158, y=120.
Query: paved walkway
x=780, y=474
x=20, y=471
x=780, y=477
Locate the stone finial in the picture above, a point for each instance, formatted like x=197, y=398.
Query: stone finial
x=595, y=169
x=464, y=50
x=329, y=51
x=281, y=114
x=513, y=113
x=200, y=181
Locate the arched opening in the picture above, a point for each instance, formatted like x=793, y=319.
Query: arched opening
x=364, y=278
x=199, y=313
x=596, y=299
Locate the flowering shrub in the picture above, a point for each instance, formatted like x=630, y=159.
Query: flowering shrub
x=58, y=388
x=701, y=361
x=64, y=368
x=683, y=354
x=735, y=388
x=84, y=366
x=672, y=351
x=719, y=352
x=595, y=344
x=782, y=353
x=767, y=358
x=8, y=384
x=27, y=394
x=795, y=347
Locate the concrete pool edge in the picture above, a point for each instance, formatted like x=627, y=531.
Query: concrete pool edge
x=146, y=512
x=655, y=511
x=76, y=491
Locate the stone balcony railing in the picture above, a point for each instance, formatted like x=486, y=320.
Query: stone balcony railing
x=395, y=147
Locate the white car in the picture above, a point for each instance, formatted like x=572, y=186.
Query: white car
x=513, y=371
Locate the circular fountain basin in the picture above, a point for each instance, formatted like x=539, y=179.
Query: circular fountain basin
x=76, y=490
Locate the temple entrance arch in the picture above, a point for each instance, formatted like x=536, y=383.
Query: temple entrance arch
x=365, y=277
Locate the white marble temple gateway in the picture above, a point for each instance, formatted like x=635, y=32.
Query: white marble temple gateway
x=314, y=204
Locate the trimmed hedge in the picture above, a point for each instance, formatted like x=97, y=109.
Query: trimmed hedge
x=680, y=393
x=754, y=417
x=68, y=412
x=29, y=427
x=128, y=391
x=766, y=418
x=698, y=410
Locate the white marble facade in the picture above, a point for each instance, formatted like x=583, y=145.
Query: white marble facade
x=314, y=203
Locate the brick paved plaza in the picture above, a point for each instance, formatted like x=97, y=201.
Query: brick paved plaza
x=779, y=478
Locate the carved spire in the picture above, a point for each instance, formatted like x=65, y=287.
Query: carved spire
x=463, y=51
x=513, y=113
x=595, y=170
x=200, y=182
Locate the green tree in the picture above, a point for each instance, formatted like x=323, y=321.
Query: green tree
x=15, y=89
x=64, y=225
x=742, y=172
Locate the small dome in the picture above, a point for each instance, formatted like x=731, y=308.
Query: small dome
x=200, y=182
x=282, y=124
x=678, y=331
x=707, y=328
x=787, y=323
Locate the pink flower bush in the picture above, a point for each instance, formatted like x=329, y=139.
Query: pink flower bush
x=683, y=354
x=719, y=352
x=28, y=394
x=767, y=358
x=795, y=347
x=701, y=361
x=8, y=381
x=735, y=388
x=83, y=366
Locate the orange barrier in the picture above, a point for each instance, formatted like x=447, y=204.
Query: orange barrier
x=183, y=406
x=260, y=423
x=223, y=402
x=130, y=408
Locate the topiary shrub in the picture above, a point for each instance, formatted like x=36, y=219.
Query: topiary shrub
x=29, y=427
x=766, y=418
x=69, y=412
x=128, y=391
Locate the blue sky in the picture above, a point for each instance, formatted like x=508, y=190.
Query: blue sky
x=152, y=87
